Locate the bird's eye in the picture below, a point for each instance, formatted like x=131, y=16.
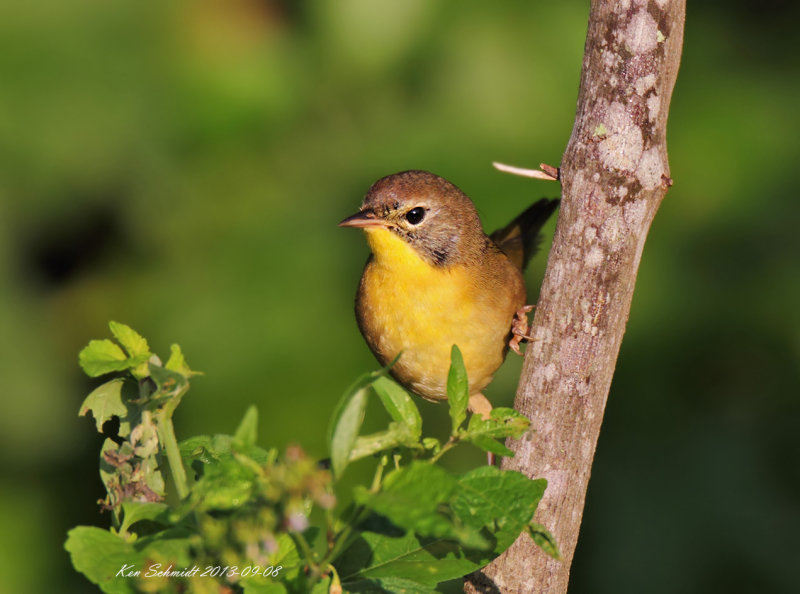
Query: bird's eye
x=415, y=215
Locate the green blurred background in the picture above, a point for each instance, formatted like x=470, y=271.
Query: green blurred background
x=180, y=166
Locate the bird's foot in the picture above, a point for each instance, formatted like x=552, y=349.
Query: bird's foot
x=520, y=327
x=479, y=404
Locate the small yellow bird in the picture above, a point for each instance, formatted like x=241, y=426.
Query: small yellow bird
x=435, y=279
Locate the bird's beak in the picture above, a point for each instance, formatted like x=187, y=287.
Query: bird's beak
x=365, y=218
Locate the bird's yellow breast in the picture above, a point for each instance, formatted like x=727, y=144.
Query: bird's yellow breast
x=407, y=304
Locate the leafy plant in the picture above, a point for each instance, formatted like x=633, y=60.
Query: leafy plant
x=246, y=519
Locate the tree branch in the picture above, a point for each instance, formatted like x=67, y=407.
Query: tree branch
x=614, y=175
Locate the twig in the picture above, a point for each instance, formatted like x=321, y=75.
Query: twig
x=548, y=172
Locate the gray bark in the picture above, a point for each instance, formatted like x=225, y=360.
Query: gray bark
x=614, y=175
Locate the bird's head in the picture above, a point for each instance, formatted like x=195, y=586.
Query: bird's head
x=425, y=212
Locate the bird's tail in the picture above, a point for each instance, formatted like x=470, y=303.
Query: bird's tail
x=520, y=239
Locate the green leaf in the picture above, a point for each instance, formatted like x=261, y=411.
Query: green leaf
x=346, y=423
x=389, y=585
x=382, y=558
x=99, y=555
x=151, y=472
x=502, y=423
x=132, y=341
x=490, y=445
x=105, y=402
x=399, y=405
x=397, y=435
x=110, y=475
x=176, y=361
x=431, y=443
x=170, y=383
x=415, y=498
x=224, y=486
x=251, y=586
x=322, y=587
x=212, y=449
x=347, y=418
x=102, y=356
x=247, y=431
x=208, y=449
x=457, y=388
x=362, y=383
x=136, y=511
x=544, y=539
x=503, y=501
x=170, y=546
x=287, y=556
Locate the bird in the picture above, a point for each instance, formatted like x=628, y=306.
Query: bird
x=435, y=279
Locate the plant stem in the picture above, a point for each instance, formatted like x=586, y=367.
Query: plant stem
x=376, y=480
x=449, y=445
x=166, y=435
x=341, y=539
x=330, y=533
x=307, y=552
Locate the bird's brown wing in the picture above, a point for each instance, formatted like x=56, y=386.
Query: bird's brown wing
x=520, y=239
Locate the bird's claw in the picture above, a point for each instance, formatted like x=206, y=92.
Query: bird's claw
x=519, y=328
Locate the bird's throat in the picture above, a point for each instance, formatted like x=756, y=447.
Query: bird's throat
x=393, y=252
